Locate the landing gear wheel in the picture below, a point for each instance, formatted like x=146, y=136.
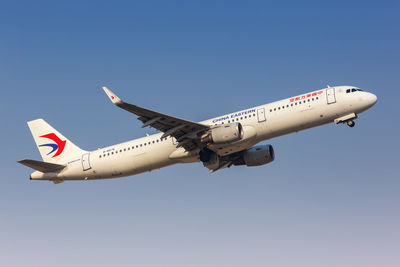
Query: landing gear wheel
x=351, y=124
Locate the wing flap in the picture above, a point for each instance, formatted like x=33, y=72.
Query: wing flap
x=41, y=166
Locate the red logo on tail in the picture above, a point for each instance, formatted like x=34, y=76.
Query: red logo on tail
x=60, y=144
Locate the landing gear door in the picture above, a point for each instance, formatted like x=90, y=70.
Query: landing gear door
x=330, y=95
x=261, y=114
x=86, y=162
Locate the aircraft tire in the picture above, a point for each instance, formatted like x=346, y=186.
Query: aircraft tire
x=351, y=123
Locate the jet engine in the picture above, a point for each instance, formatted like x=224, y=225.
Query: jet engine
x=209, y=158
x=222, y=134
x=256, y=156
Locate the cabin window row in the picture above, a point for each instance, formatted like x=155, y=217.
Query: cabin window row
x=132, y=147
x=293, y=104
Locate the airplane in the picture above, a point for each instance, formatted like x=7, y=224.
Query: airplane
x=220, y=142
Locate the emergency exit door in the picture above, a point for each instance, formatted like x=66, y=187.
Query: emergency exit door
x=261, y=114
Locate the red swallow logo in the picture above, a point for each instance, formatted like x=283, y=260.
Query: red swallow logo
x=59, y=144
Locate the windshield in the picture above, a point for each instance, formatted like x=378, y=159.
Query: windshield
x=353, y=90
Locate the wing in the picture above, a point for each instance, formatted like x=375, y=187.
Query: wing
x=185, y=132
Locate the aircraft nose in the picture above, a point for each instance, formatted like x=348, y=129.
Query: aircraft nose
x=372, y=99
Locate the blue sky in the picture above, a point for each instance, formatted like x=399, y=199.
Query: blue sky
x=331, y=198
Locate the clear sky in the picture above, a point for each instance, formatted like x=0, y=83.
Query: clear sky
x=331, y=198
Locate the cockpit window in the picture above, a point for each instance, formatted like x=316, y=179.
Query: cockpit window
x=353, y=90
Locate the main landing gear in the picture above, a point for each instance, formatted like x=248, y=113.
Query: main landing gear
x=351, y=123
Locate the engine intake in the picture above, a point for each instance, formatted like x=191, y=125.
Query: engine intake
x=223, y=134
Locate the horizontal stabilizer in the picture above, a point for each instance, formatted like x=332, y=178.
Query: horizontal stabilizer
x=41, y=166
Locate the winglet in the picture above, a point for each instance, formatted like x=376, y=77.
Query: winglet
x=113, y=97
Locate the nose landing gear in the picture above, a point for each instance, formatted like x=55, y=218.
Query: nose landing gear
x=351, y=123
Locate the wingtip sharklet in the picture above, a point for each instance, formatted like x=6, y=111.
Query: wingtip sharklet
x=113, y=97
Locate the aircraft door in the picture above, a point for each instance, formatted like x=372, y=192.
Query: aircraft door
x=330, y=95
x=261, y=114
x=86, y=162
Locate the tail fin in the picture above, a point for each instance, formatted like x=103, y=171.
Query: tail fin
x=52, y=145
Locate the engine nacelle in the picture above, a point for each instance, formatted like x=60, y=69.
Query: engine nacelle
x=257, y=156
x=223, y=134
x=209, y=158
x=213, y=162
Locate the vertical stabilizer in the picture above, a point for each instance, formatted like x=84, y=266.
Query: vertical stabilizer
x=52, y=145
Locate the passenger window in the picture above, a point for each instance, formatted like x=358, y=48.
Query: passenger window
x=347, y=91
x=353, y=90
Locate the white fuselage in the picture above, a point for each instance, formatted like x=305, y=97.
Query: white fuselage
x=259, y=123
